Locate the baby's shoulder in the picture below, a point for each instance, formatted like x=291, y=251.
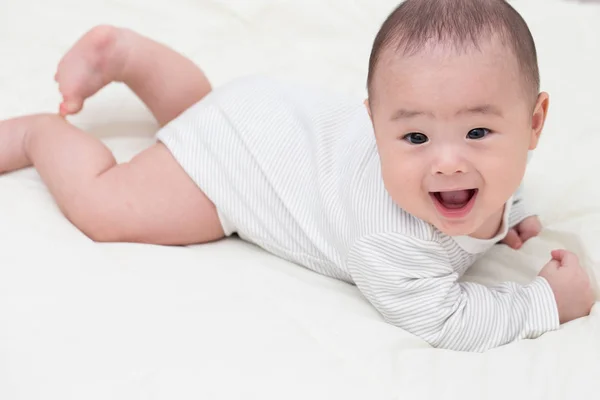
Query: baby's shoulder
x=376, y=213
x=407, y=246
x=393, y=222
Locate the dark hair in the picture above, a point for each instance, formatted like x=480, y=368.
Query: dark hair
x=460, y=23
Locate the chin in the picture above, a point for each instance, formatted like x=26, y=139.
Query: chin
x=456, y=228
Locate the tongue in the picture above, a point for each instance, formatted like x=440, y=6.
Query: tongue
x=455, y=199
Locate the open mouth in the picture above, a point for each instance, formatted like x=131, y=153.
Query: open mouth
x=455, y=203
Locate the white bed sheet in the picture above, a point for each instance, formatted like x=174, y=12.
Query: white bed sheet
x=80, y=320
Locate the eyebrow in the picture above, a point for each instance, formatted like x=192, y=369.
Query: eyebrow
x=485, y=109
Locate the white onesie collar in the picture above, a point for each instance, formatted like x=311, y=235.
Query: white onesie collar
x=476, y=246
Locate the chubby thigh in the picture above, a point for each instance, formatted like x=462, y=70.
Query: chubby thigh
x=151, y=199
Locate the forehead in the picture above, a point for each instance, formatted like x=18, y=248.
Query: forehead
x=444, y=77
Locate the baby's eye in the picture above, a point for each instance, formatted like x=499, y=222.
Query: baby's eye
x=416, y=138
x=478, y=133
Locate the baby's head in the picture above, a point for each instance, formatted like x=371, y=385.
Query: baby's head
x=455, y=104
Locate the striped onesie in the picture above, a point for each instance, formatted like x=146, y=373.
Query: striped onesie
x=295, y=170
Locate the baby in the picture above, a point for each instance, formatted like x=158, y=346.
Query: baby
x=399, y=195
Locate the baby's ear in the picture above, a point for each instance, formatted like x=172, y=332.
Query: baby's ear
x=366, y=102
x=540, y=112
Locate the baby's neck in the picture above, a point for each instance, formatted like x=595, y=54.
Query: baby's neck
x=491, y=227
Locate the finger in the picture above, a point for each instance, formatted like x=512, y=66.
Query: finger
x=553, y=265
x=570, y=259
x=565, y=257
x=528, y=233
x=512, y=240
x=558, y=255
x=529, y=228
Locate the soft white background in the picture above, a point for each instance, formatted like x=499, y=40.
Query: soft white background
x=80, y=320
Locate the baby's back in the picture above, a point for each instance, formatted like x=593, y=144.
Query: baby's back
x=291, y=168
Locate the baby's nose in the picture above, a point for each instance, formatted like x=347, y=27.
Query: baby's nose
x=449, y=162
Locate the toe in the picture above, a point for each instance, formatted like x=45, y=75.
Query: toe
x=70, y=107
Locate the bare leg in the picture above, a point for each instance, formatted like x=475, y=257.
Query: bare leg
x=163, y=79
x=149, y=199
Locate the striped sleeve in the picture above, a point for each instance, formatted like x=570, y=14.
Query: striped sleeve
x=411, y=282
x=519, y=210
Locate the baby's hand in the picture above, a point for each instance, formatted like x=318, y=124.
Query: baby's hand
x=522, y=232
x=570, y=284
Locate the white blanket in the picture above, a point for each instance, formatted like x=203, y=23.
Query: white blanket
x=80, y=320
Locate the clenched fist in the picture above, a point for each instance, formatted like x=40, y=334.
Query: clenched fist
x=522, y=232
x=570, y=284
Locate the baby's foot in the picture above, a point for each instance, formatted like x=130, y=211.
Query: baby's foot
x=95, y=60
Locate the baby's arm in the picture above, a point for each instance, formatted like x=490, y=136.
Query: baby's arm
x=519, y=210
x=412, y=283
x=524, y=224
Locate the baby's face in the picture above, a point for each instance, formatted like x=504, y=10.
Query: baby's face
x=453, y=131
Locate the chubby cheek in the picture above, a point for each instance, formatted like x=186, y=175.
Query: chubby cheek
x=402, y=180
x=504, y=179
